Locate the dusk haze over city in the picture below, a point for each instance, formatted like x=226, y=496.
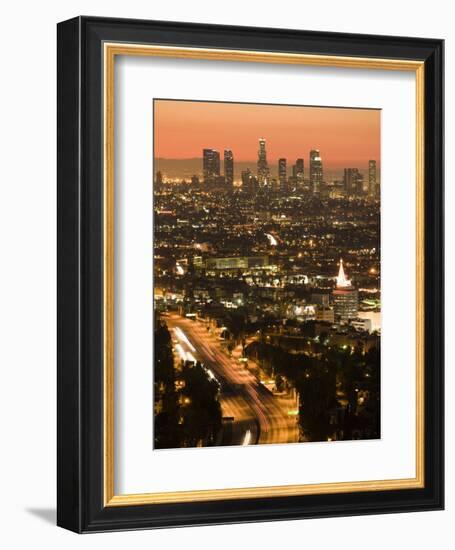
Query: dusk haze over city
x=267, y=274
x=347, y=136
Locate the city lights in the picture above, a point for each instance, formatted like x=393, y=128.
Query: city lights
x=267, y=295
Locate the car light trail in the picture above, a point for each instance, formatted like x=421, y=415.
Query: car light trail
x=247, y=438
x=182, y=336
x=190, y=357
x=210, y=374
x=181, y=352
x=240, y=391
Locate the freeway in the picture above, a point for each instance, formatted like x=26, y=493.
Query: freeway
x=259, y=416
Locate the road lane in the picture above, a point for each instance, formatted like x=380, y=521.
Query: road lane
x=242, y=396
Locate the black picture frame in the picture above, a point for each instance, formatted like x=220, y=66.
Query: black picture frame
x=80, y=282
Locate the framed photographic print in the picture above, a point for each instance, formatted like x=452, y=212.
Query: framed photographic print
x=250, y=274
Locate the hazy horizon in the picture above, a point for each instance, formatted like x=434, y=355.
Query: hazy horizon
x=345, y=137
x=187, y=167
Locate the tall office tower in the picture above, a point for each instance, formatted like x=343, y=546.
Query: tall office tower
x=282, y=174
x=316, y=174
x=345, y=297
x=353, y=182
x=216, y=162
x=210, y=165
x=248, y=181
x=207, y=163
x=293, y=177
x=229, y=167
x=299, y=171
x=263, y=167
x=372, y=178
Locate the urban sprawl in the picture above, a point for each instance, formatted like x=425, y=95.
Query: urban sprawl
x=267, y=303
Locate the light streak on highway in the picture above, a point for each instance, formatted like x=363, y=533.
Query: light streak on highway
x=181, y=352
x=247, y=439
x=210, y=374
x=190, y=357
x=254, y=408
x=182, y=336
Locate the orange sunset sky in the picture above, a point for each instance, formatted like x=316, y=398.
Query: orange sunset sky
x=345, y=137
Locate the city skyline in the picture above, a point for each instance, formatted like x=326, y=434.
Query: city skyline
x=346, y=136
x=257, y=339
x=354, y=182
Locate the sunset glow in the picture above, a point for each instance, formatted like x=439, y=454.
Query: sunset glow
x=345, y=137
x=256, y=209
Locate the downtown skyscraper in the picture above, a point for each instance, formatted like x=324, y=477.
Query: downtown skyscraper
x=210, y=165
x=263, y=167
x=298, y=171
x=282, y=174
x=316, y=174
x=353, y=182
x=229, y=167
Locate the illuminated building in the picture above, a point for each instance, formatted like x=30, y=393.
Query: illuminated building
x=353, y=182
x=282, y=174
x=320, y=298
x=219, y=181
x=263, y=167
x=246, y=178
x=210, y=165
x=326, y=314
x=298, y=171
x=316, y=174
x=240, y=262
x=374, y=317
x=345, y=297
x=249, y=182
x=361, y=324
x=229, y=167
x=372, y=181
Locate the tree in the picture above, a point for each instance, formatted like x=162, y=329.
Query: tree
x=165, y=397
x=201, y=410
x=317, y=391
x=279, y=383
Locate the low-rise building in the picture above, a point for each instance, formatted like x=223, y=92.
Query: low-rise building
x=325, y=313
x=362, y=325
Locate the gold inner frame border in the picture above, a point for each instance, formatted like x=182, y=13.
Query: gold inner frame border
x=110, y=51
